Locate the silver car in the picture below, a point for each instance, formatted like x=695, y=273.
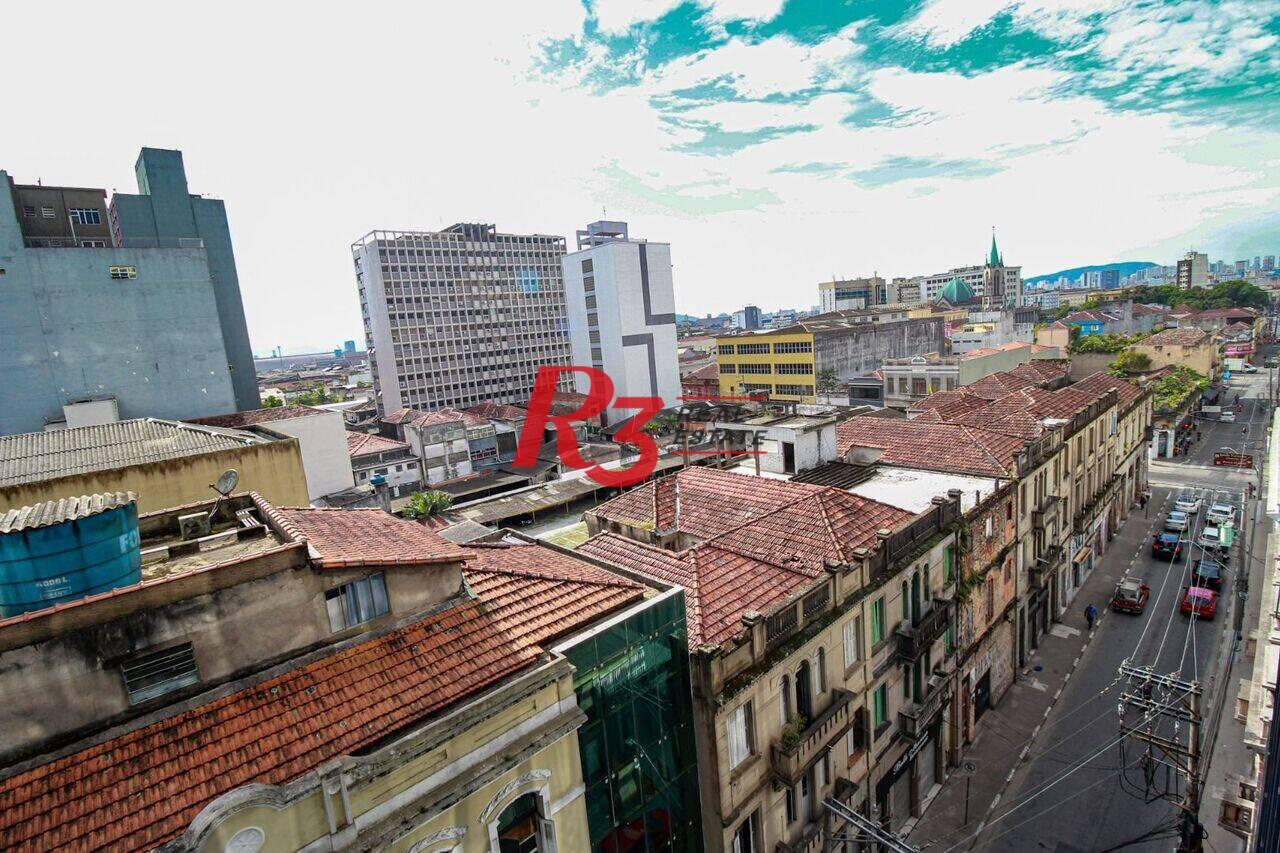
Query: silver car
x=1221, y=513
x=1188, y=502
x=1176, y=520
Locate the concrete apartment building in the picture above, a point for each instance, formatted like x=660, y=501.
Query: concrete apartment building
x=820, y=677
x=908, y=380
x=856, y=293
x=622, y=320
x=461, y=316
x=139, y=303
x=296, y=678
x=1193, y=270
x=786, y=363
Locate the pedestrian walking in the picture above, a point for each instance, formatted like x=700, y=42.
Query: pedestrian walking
x=1090, y=614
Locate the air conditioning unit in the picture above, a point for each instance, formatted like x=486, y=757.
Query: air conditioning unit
x=193, y=525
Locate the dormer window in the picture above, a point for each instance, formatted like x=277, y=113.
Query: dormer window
x=357, y=602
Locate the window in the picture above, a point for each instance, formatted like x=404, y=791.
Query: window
x=753, y=349
x=881, y=707
x=587, y=266
x=852, y=641
x=796, y=390
x=357, y=602
x=152, y=674
x=820, y=675
x=754, y=368
x=29, y=211
x=94, y=244
x=728, y=368
x=757, y=386
x=725, y=349
x=744, y=840
x=792, y=347
x=85, y=216
x=47, y=212
x=739, y=732
x=784, y=700
x=948, y=564
x=906, y=601
x=989, y=527
x=877, y=621
x=123, y=272
x=790, y=796
x=793, y=369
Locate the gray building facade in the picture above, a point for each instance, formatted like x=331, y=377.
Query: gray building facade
x=134, y=318
x=461, y=316
x=164, y=210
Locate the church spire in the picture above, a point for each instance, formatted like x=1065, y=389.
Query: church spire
x=994, y=259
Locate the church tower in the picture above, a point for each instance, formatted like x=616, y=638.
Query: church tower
x=994, y=297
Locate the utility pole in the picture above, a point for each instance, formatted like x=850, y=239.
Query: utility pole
x=857, y=829
x=1160, y=698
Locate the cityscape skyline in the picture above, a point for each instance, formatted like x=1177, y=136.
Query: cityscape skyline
x=743, y=119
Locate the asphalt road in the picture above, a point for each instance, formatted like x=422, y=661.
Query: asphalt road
x=1080, y=788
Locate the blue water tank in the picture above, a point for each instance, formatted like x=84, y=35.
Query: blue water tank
x=67, y=549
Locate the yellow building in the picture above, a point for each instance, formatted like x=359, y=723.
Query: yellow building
x=167, y=463
x=786, y=363
x=1187, y=347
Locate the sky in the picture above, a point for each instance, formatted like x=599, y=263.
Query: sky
x=773, y=143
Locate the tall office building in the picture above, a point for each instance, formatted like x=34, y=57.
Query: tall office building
x=1241, y=268
x=622, y=319
x=1109, y=278
x=747, y=319
x=127, y=312
x=460, y=316
x=1268, y=263
x=1193, y=270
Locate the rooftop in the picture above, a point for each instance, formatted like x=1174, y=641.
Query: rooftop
x=142, y=788
x=257, y=416
x=497, y=411
x=419, y=418
x=36, y=456
x=1175, y=338
x=932, y=446
x=65, y=509
x=367, y=444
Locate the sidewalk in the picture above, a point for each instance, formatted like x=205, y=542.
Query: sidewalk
x=1007, y=732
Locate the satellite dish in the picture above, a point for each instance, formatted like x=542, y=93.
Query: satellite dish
x=227, y=482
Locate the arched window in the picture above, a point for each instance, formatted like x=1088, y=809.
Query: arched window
x=804, y=690
x=906, y=602
x=519, y=826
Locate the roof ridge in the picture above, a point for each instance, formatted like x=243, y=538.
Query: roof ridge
x=283, y=524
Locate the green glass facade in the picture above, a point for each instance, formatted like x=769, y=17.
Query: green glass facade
x=638, y=756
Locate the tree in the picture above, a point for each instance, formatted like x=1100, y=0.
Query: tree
x=315, y=397
x=1131, y=361
x=426, y=504
x=271, y=401
x=828, y=380
x=1227, y=294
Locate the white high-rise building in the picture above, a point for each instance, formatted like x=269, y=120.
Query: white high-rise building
x=1193, y=270
x=460, y=316
x=622, y=314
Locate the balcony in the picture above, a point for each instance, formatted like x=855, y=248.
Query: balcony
x=1047, y=511
x=1045, y=566
x=914, y=719
x=790, y=763
x=914, y=640
x=810, y=841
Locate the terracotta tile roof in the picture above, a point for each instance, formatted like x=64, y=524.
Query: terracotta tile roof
x=705, y=373
x=703, y=502
x=1141, y=309
x=997, y=385
x=344, y=538
x=1227, y=312
x=949, y=404
x=491, y=410
x=367, y=443
x=1044, y=369
x=256, y=416
x=143, y=788
x=1175, y=337
x=933, y=446
x=418, y=418
x=1102, y=382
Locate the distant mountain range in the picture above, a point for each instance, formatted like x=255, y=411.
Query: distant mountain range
x=1127, y=268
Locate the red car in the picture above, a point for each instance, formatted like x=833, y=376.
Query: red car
x=1200, y=601
x=1131, y=596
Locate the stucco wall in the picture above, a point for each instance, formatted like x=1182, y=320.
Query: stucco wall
x=273, y=469
x=322, y=438
x=70, y=331
x=858, y=352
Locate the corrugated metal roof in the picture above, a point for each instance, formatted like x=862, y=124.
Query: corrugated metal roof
x=34, y=456
x=64, y=509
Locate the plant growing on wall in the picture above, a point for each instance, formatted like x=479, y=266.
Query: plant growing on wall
x=271, y=401
x=793, y=732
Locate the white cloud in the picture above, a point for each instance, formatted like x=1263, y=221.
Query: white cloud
x=617, y=16
x=758, y=11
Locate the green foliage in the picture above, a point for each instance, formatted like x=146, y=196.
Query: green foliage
x=426, y=504
x=1130, y=361
x=662, y=423
x=1104, y=343
x=1175, y=387
x=793, y=732
x=828, y=380
x=315, y=397
x=1228, y=294
x=271, y=401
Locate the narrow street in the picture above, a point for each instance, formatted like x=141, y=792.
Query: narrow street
x=1080, y=787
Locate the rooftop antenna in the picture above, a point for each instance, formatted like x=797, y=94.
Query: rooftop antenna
x=225, y=485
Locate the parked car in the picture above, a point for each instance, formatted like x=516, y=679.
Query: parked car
x=1210, y=538
x=1167, y=546
x=1177, y=520
x=1200, y=601
x=1220, y=513
x=1227, y=417
x=1208, y=574
x=1131, y=596
x=1188, y=502
x=1246, y=368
